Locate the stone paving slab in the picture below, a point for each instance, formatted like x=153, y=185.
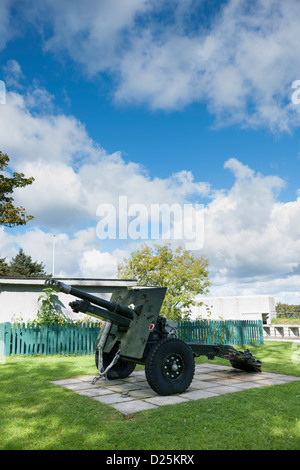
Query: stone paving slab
x=134, y=394
x=133, y=406
x=94, y=392
x=112, y=398
x=168, y=400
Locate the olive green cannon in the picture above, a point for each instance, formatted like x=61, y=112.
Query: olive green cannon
x=133, y=333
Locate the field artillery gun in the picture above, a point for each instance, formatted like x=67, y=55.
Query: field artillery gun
x=133, y=333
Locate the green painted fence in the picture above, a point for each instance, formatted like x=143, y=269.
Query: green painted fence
x=234, y=332
x=49, y=339
x=79, y=339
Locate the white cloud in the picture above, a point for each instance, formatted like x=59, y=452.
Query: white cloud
x=249, y=235
x=284, y=289
x=7, y=31
x=101, y=265
x=69, y=249
x=241, y=60
x=12, y=73
x=73, y=175
x=91, y=31
x=247, y=58
x=46, y=137
x=246, y=55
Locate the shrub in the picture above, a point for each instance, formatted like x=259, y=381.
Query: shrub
x=50, y=311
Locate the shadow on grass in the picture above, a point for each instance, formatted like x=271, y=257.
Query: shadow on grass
x=279, y=357
x=276, y=357
x=36, y=414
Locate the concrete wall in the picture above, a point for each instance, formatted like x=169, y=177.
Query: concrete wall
x=258, y=307
x=19, y=296
x=282, y=332
x=19, y=300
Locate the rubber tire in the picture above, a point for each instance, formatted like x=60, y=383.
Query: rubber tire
x=156, y=359
x=120, y=370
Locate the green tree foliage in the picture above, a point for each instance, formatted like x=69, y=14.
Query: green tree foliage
x=287, y=311
x=50, y=311
x=23, y=266
x=10, y=215
x=4, y=268
x=184, y=274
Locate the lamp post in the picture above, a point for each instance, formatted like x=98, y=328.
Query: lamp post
x=53, y=255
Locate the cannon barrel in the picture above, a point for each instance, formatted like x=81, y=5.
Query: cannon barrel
x=113, y=307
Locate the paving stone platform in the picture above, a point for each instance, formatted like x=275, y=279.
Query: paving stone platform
x=133, y=394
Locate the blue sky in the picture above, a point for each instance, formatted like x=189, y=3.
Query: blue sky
x=185, y=102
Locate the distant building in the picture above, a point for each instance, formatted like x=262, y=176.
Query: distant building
x=254, y=307
x=19, y=296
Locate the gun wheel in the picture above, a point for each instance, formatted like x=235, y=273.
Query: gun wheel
x=120, y=370
x=170, y=366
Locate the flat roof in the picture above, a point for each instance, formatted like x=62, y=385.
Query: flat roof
x=251, y=296
x=71, y=281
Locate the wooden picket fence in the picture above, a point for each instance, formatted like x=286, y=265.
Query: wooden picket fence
x=49, y=339
x=79, y=339
x=234, y=332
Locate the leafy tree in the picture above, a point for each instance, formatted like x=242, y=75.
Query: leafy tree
x=9, y=214
x=23, y=266
x=184, y=274
x=287, y=311
x=4, y=268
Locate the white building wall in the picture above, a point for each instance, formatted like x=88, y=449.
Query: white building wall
x=19, y=296
x=257, y=307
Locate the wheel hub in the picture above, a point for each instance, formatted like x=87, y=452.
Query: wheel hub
x=173, y=366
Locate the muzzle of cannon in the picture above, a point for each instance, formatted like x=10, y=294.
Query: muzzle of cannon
x=133, y=333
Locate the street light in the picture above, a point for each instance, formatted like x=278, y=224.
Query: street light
x=53, y=255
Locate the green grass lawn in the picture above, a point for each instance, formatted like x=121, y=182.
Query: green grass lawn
x=285, y=321
x=35, y=414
